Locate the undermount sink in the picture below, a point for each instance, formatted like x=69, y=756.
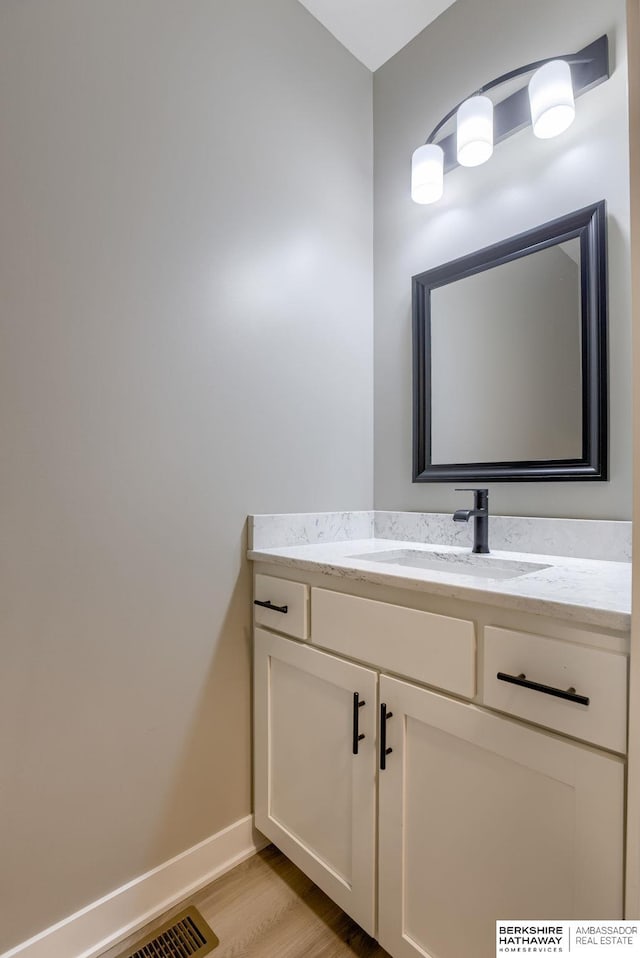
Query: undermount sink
x=460, y=563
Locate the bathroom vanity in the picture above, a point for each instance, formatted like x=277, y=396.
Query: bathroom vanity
x=438, y=748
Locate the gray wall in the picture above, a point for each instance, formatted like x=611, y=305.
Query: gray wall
x=185, y=264
x=526, y=183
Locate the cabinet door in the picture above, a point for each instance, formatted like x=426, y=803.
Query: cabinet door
x=315, y=798
x=482, y=819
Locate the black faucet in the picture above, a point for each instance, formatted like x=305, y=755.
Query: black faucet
x=480, y=513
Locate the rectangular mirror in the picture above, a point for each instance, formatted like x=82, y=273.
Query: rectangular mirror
x=510, y=358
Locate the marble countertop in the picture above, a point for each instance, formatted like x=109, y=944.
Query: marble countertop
x=582, y=591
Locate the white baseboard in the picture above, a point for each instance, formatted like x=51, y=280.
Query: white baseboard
x=122, y=912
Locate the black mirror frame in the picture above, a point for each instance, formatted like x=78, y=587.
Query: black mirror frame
x=589, y=225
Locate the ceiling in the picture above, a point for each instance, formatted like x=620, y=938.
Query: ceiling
x=373, y=30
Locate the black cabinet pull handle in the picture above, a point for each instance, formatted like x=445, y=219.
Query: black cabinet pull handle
x=357, y=734
x=384, y=751
x=274, y=608
x=570, y=694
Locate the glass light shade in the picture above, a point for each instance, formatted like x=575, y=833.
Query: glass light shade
x=427, y=174
x=475, y=131
x=551, y=99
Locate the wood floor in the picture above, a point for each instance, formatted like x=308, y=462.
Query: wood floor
x=266, y=908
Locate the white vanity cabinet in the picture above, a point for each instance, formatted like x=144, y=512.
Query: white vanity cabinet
x=482, y=818
x=315, y=778
x=456, y=807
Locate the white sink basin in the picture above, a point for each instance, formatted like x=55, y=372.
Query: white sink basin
x=460, y=563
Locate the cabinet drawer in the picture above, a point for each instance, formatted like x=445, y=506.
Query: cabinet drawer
x=435, y=649
x=597, y=675
x=290, y=596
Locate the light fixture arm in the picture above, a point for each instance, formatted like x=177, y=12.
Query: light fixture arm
x=589, y=68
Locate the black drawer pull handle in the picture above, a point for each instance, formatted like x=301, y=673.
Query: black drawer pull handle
x=384, y=751
x=570, y=694
x=274, y=608
x=357, y=734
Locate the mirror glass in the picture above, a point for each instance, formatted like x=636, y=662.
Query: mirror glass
x=509, y=338
x=510, y=358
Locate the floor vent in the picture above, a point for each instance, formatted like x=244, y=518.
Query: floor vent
x=186, y=935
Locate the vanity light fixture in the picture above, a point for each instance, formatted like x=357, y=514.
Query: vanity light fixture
x=551, y=99
x=474, y=133
x=427, y=173
x=547, y=103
